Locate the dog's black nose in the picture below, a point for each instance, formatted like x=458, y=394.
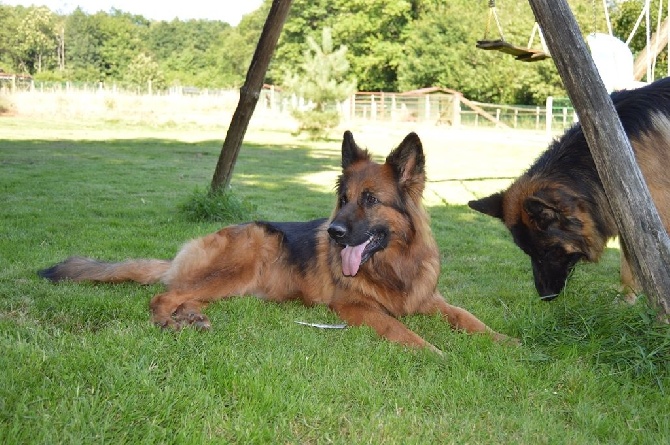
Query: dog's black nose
x=337, y=230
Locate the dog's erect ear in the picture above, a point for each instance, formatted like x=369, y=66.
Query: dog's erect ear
x=408, y=160
x=351, y=152
x=541, y=212
x=491, y=205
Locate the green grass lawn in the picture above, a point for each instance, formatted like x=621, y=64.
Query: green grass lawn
x=81, y=363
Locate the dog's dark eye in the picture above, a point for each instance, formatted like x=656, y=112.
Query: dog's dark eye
x=369, y=199
x=343, y=200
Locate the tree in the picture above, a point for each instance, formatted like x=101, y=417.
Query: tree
x=322, y=82
x=143, y=70
x=84, y=37
x=10, y=18
x=38, y=37
x=124, y=36
x=373, y=30
x=232, y=51
x=187, y=51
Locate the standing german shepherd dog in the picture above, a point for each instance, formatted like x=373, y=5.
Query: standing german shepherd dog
x=557, y=211
x=373, y=260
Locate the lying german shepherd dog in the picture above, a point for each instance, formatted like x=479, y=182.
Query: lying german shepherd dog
x=557, y=211
x=373, y=260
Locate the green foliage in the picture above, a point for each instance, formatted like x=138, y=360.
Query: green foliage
x=372, y=30
x=144, y=70
x=322, y=82
x=37, y=37
x=234, y=48
x=316, y=123
x=221, y=206
x=188, y=52
x=392, y=45
x=487, y=76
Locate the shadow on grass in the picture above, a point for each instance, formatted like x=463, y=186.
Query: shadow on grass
x=96, y=172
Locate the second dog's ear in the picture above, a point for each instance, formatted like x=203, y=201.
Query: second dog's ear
x=351, y=152
x=491, y=205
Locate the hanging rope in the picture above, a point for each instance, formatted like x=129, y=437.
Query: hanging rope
x=493, y=14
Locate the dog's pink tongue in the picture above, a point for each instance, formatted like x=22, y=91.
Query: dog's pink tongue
x=351, y=258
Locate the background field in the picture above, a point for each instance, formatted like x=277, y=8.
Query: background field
x=82, y=363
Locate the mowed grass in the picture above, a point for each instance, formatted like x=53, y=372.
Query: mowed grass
x=81, y=363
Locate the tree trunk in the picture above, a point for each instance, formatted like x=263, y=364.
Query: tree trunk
x=249, y=93
x=639, y=225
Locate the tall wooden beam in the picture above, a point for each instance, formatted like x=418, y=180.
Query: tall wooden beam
x=640, y=227
x=249, y=93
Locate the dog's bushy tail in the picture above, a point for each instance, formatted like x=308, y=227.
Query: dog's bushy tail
x=86, y=269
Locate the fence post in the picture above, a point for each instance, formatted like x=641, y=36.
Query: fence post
x=273, y=103
x=427, y=117
x=373, y=108
x=456, y=111
x=516, y=117
x=550, y=115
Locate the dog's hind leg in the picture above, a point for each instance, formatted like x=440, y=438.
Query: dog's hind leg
x=189, y=314
x=178, y=308
x=217, y=266
x=181, y=305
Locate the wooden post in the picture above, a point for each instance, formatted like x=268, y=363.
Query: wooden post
x=639, y=225
x=549, y=116
x=456, y=111
x=249, y=93
x=427, y=110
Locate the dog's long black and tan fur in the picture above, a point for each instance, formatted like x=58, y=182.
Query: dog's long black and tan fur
x=373, y=260
x=557, y=211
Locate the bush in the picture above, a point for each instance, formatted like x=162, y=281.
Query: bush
x=217, y=206
x=316, y=123
x=6, y=105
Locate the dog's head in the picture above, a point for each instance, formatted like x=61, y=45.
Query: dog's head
x=376, y=202
x=551, y=224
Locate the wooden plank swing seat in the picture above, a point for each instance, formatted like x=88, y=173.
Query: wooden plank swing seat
x=521, y=53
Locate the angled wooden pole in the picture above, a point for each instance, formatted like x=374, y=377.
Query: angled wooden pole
x=637, y=219
x=249, y=93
